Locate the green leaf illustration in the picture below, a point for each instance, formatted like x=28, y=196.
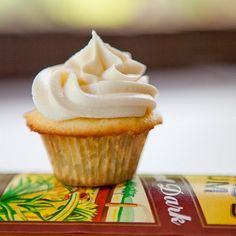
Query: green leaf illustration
x=128, y=192
x=18, y=201
x=84, y=211
x=15, y=195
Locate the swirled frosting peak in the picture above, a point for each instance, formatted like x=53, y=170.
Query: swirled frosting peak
x=97, y=82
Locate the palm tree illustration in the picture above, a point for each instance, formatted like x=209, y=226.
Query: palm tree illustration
x=128, y=191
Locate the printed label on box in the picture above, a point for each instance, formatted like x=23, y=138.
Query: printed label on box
x=32, y=197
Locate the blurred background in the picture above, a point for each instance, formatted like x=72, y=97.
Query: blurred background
x=189, y=47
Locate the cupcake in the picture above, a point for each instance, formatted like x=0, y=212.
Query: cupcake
x=94, y=113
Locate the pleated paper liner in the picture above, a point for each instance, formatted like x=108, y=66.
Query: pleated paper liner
x=94, y=161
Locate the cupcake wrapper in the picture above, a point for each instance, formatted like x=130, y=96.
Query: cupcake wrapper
x=94, y=161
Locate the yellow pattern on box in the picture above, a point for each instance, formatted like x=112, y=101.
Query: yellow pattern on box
x=217, y=198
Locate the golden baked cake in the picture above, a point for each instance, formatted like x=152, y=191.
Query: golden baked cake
x=94, y=113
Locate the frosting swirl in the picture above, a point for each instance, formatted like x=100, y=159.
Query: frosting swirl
x=97, y=82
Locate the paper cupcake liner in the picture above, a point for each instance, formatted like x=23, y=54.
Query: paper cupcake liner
x=94, y=161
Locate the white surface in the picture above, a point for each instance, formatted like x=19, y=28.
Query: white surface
x=198, y=135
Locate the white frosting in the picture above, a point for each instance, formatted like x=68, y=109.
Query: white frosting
x=97, y=82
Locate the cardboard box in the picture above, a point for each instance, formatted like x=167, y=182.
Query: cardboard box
x=146, y=205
